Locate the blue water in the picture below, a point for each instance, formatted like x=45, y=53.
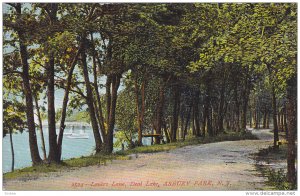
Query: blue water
x=70, y=148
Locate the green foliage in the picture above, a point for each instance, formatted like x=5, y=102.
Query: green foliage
x=276, y=178
x=13, y=116
x=125, y=119
x=79, y=116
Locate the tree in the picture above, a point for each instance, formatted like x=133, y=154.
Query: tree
x=18, y=24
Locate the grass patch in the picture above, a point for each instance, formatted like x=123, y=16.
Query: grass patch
x=276, y=178
x=228, y=136
x=84, y=161
x=33, y=172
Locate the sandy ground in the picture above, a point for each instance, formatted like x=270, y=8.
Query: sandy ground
x=215, y=166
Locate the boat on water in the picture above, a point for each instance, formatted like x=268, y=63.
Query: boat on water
x=69, y=132
x=80, y=135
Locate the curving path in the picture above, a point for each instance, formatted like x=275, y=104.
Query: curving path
x=215, y=166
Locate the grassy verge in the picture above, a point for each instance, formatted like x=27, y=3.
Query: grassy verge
x=84, y=161
x=276, y=177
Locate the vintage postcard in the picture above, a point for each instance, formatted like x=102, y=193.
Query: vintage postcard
x=148, y=96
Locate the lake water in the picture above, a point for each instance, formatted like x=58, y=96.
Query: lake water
x=71, y=148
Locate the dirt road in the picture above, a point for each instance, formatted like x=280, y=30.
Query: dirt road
x=215, y=166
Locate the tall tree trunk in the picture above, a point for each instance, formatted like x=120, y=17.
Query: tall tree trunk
x=53, y=148
x=40, y=126
x=275, y=128
x=221, y=113
x=282, y=120
x=244, y=111
x=50, y=72
x=176, y=106
x=35, y=156
x=12, y=151
x=208, y=108
x=194, y=121
x=256, y=118
x=274, y=107
x=182, y=121
x=207, y=120
x=268, y=120
x=166, y=133
x=187, y=122
x=98, y=104
x=139, y=126
x=196, y=114
x=90, y=98
x=237, y=109
x=210, y=130
x=62, y=125
x=112, y=111
x=265, y=118
x=292, y=130
x=250, y=120
x=285, y=120
x=140, y=113
x=159, y=112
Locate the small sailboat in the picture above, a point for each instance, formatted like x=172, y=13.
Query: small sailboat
x=80, y=135
x=69, y=132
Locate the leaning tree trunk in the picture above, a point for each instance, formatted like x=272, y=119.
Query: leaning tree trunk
x=292, y=130
x=12, y=151
x=40, y=126
x=65, y=102
x=90, y=99
x=35, y=156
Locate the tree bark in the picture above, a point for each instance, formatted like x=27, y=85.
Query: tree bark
x=292, y=130
x=268, y=120
x=250, y=120
x=285, y=120
x=265, y=118
x=237, y=109
x=112, y=111
x=220, y=127
x=275, y=128
x=176, y=106
x=12, y=151
x=97, y=103
x=159, y=112
x=140, y=112
x=187, y=122
x=40, y=126
x=196, y=114
x=53, y=148
x=166, y=133
x=65, y=101
x=35, y=156
x=90, y=98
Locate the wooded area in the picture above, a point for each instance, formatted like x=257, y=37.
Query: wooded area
x=166, y=70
